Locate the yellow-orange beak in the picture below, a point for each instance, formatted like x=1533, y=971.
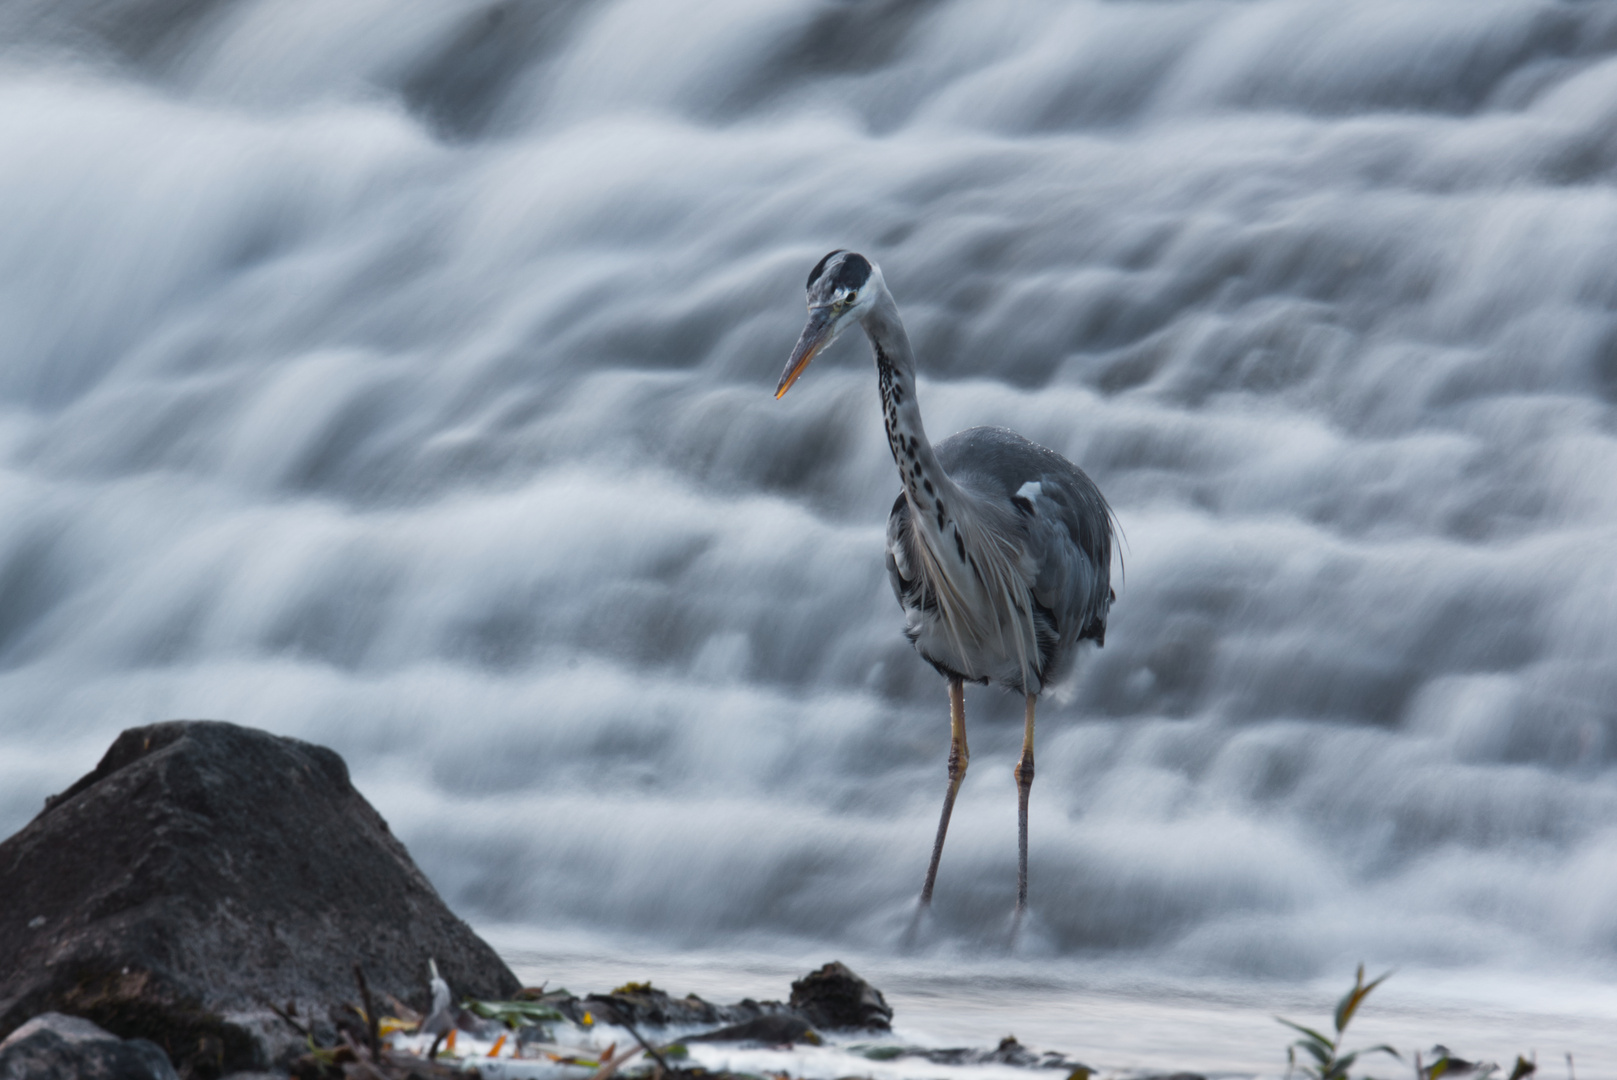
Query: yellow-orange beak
x=819, y=332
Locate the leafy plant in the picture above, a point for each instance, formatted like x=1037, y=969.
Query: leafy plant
x=1445, y=1064
x=634, y=988
x=514, y=1014
x=1329, y=1061
x=1524, y=1067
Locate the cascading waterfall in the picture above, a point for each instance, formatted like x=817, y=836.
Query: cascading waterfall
x=398, y=376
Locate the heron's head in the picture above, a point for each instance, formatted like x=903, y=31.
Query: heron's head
x=842, y=288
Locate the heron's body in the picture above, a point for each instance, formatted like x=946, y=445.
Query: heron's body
x=1045, y=507
x=998, y=549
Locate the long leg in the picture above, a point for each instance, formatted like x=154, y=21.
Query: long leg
x=1024, y=784
x=959, y=757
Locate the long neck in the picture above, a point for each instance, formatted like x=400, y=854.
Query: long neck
x=927, y=486
x=970, y=569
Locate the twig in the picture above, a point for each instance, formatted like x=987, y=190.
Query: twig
x=359, y=1061
x=285, y=1016
x=402, y=1011
x=610, y=1066
x=372, y=1025
x=652, y=1050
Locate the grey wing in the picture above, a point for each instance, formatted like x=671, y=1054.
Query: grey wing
x=1075, y=565
x=1065, y=521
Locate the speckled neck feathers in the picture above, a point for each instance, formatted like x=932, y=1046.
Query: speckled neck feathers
x=971, y=574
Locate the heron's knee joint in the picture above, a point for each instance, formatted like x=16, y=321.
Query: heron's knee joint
x=1024, y=770
x=958, y=760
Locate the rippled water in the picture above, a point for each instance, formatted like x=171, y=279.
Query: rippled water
x=397, y=376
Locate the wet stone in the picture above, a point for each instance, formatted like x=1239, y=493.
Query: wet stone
x=203, y=871
x=54, y=1046
x=779, y=1029
x=642, y=1005
x=834, y=998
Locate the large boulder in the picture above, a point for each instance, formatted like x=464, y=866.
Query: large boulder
x=57, y=1047
x=203, y=872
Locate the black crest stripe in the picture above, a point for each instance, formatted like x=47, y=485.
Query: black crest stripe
x=819, y=267
x=853, y=273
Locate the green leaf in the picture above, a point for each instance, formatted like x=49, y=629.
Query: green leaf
x=1310, y=1032
x=514, y=1013
x=1354, y=997
x=1350, y=1001
x=1321, y=1054
x=1523, y=1068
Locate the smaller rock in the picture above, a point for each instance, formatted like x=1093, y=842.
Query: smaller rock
x=54, y=1046
x=780, y=1029
x=1008, y=1052
x=835, y=998
x=1011, y=1052
x=643, y=1005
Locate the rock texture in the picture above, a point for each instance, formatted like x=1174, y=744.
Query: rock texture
x=834, y=997
x=1008, y=1052
x=830, y=998
x=779, y=1029
x=203, y=870
x=58, y=1047
x=643, y=1005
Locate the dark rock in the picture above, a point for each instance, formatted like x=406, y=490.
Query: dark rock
x=58, y=1047
x=1011, y=1052
x=203, y=871
x=834, y=997
x=643, y=1005
x=774, y=1030
x=1008, y=1052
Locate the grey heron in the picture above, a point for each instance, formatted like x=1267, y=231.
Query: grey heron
x=998, y=549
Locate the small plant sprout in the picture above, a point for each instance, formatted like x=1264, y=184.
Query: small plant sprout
x=1445, y=1064
x=1329, y=1061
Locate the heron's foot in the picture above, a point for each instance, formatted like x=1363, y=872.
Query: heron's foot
x=912, y=932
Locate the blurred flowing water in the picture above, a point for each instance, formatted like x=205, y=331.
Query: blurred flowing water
x=398, y=376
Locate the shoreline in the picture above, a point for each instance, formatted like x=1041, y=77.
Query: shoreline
x=1126, y=1017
